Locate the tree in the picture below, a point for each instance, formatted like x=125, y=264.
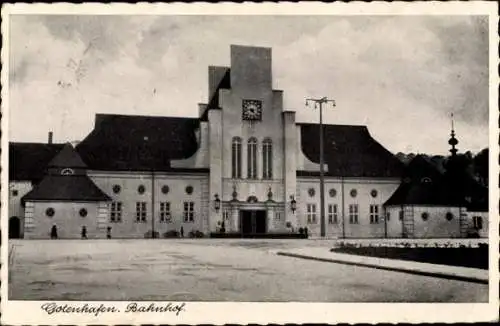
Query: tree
x=480, y=162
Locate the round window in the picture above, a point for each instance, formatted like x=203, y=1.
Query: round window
x=50, y=212
x=165, y=189
x=354, y=193
x=449, y=216
x=311, y=192
x=425, y=216
x=333, y=192
x=374, y=193
x=189, y=190
x=141, y=189
x=117, y=189
x=83, y=212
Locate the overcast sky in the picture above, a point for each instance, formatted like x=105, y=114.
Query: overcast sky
x=400, y=76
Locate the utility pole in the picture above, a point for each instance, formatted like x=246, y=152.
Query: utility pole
x=319, y=102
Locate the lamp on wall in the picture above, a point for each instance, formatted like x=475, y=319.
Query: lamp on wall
x=293, y=204
x=217, y=203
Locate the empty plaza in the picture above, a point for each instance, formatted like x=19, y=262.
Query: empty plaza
x=211, y=270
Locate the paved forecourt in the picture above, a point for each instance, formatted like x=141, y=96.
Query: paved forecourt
x=212, y=270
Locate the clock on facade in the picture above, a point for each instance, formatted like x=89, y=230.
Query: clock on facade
x=252, y=110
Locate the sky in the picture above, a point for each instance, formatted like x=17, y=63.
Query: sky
x=401, y=76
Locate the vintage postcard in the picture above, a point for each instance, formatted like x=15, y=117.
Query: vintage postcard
x=249, y=163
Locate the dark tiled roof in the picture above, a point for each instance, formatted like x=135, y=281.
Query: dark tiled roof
x=28, y=161
x=66, y=188
x=424, y=184
x=350, y=151
x=67, y=158
x=464, y=185
x=138, y=143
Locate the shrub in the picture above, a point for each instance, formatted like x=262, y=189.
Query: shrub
x=196, y=234
x=301, y=231
x=171, y=234
x=149, y=235
x=473, y=234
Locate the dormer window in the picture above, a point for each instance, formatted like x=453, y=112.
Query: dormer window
x=67, y=171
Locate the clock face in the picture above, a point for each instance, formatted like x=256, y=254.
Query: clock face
x=252, y=110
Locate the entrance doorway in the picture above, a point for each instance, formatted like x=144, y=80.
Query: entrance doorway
x=253, y=221
x=14, y=227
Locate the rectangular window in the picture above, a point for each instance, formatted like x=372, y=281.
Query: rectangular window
x=311, y=213
x=278, y=215
x=353, y=214
x=478, y=222
x=188, y=211
x=373, y=214
x=165, y=216
x=333, y=214
x=115, y=213
x=225, y=214
x=140, y=211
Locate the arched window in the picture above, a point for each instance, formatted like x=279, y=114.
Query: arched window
x=236, y=158
x=267, y=159
x=252, y=158
x=67, y=171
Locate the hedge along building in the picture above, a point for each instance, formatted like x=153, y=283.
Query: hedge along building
x=244, y=163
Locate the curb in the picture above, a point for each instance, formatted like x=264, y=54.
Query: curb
x=393, y=269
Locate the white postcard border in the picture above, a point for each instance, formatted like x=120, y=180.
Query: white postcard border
x=30, y=312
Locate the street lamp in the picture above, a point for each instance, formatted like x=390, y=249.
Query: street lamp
x=320, y=102
x=217, y=203
x=293, y=204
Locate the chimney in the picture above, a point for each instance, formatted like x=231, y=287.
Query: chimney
x=50, y=137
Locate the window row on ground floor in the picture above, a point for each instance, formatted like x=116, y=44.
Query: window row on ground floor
x=375, y=215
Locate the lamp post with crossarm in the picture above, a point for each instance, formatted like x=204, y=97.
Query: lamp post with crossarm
x=318, y=102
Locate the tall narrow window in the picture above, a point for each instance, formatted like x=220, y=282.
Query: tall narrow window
x=333, y=214
x=267, y=159
x=115, y=212
x=188, y=211
x=373, y=214
x=353, y=214
x=236, y=158
x=478, y=222
x=225, y=214
x=252, y=158
x=311, y=213
x=165, y=216
x=140, y=211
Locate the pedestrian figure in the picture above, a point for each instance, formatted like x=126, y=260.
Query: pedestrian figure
x=182, y=232
x=84, y=232
x=53, y=232
x=108, y=233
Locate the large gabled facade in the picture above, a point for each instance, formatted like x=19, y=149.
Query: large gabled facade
x=243, y=165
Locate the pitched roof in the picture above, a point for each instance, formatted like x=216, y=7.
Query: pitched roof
x=28, y=161
x=424, y=184
x=66, y=188
x=349, y=151
x=67, y=158
x=138, y=143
